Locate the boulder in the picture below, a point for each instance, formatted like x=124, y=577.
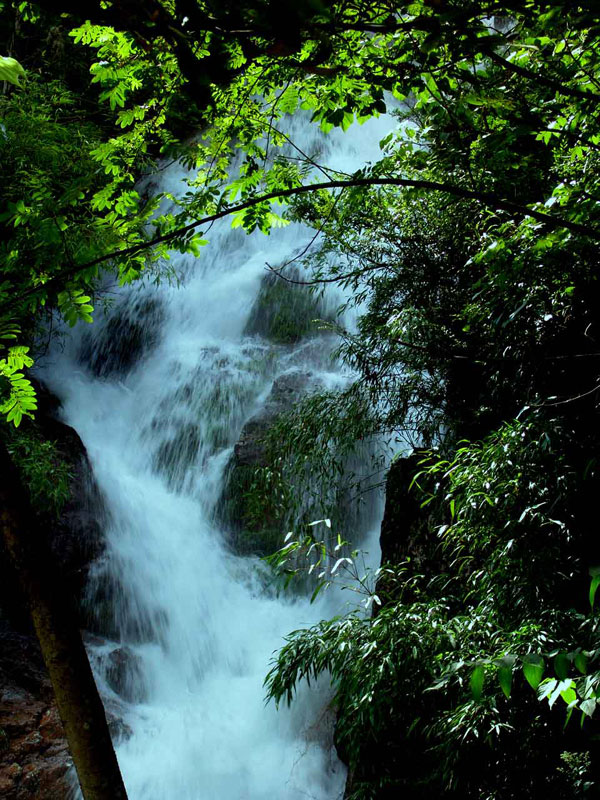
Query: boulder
x=117, y=343
x=407, y=532
x=75, y=535
x=258, y=530
x=284, y=312
x=76, y=538
x=287, y=389
x=124, y=675
x=34, y=755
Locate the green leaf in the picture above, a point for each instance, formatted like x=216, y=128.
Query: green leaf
x=505, y=673
x=11, y=71
x=546, y=688
x=565, y=690
x=320, y=586
x=588, y=707
x=569, y=695
x=288, y=101
x=593, y=589
x=561, y=665
x=581, y=663
x=533, y=669
x=476, y=682
x=505, y=680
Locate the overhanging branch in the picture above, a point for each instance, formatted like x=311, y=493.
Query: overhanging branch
x=490, y=200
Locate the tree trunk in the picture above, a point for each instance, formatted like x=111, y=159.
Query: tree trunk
x=56, y=625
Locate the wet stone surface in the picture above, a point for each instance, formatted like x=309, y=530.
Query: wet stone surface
x=34, y=757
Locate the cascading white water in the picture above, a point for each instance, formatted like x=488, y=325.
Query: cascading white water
x=199, y=624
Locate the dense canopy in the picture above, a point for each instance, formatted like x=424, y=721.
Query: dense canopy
x=471, y=247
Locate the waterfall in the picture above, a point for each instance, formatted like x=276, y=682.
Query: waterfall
x=159, y=389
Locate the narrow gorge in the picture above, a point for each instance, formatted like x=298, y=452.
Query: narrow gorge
x=171, y=393
x=299, y=331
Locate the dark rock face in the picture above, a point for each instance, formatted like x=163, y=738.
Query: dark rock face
x=104, y=609
x=34, y=756
x=285, y=312
x=75, y=538
x=406, y=529
x=123, y=674
x=287, y=389
x=249, y=535
x=406, y=532
x=132, y=330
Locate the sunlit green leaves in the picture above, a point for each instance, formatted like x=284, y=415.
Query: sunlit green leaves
x=595, y=583
x=533, y=670
x=505, y=667
x=21, y=399
x=477, y=680
x=11, y=71
x=74, y=305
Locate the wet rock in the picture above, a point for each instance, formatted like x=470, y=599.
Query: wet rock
x=34, y=757
x=74, y=534
x=322, y=730
x=76, y=539
x=285, y=313
x=251, y=530
x=175, y=455
x=131, y=330
x=124, y=675
x=407, y=532
x=51, y=728
x=194, y=420
x=287, y=389
x=118, y=729
x=109, y=612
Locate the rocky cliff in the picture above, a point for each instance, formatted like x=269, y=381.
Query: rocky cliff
x=34, y=756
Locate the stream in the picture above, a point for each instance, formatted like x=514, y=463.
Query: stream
x=159, y=389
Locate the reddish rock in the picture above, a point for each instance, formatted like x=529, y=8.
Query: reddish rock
x=34, y=757
x=50, y=725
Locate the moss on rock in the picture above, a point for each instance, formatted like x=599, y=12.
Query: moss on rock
x=252, y=516
x=256, y=500
x=285, y=313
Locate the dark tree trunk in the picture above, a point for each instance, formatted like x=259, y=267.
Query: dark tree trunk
x=56, y=625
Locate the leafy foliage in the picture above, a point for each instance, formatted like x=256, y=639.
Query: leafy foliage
x=10, y=70
x=476, y=344
x=472, y=244
x=21, y=400
x=43, y=467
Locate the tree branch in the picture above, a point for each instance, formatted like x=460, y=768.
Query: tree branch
x=550, y=220
x=534, y=76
